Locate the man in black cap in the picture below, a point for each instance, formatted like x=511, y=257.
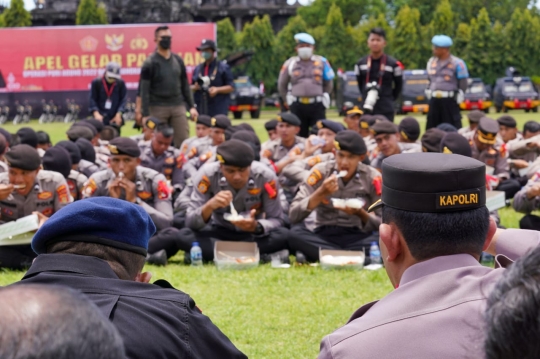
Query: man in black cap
x=44, y=142
x=98, y=246
x=454, y=143
x=508, y=131
x=474, y=117
x=108, y=96
x=271, y=130
x=57, y=159
x=435, y=227
x=523, y=154
x=84, y=167
x=352, y=118
x=78, y=131
x=28, y=137
x=387, y=138
x=336, y=227
x=127, y=180
x=409, y=130
x=24, y=190
x=203, y=126
x=149, y=125
x=431, y=140
x=212, y=82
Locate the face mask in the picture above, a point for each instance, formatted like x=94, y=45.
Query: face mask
x=305, y=52
x=207, y=55
x=165, y=42
x=109, y=80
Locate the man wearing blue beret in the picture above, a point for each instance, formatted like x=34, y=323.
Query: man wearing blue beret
x=98, y=246
x=310, y=77
x=448, y=76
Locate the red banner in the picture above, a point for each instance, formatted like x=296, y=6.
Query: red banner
x=68, y=58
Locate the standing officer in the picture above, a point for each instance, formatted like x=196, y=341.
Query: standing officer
x=127, y=180
x=336, y=228
x=108, y=96
x=447, y=84
x=311, y=82
x=440, y=286
x=24, y=190
x=212, y=82
x=380, y=73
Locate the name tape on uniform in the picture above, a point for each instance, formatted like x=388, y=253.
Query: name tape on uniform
x=458, y=199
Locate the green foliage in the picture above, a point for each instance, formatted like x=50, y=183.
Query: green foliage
x=89, y=13
x=477, y=53
x=523, y=32
x=226, y=38
x=407, y=42
x=443, y=19
x=16, y=15
x=285, y=43
x=352, y=10
x=462, y=38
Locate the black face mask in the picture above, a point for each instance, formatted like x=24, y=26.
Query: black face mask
x=165, y=42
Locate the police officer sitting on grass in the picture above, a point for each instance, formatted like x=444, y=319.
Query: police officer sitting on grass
x=203, y=127
x=409, y=130
x=149, y=125
x=271, y=130
x=523, y=152
x=336, y=228
x=387, y=138
x=26, y=189
x=57, y=159
x=474, y=117
x=431, y=140
x=352, y=117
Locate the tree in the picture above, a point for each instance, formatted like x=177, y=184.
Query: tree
x=499, y=50
x=523, y=32
x=89, y=13
x=285, y=43
x=407, y=42
x=226, y=38
x=443, y=19
x=462, y=38
x=16, y=15
x=352, y=10
x=477, y=53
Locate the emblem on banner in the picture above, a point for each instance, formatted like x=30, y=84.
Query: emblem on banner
x=88, y=44
x=138, y=43
x=114, y=42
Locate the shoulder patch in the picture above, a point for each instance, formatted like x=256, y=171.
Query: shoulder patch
x=163, y=190
x=271, y=189
x=204, y=185
x=314, y=178
x=267, y=153
x=44, y=195
x=169, y=161
x=314, y=160
x=144, y=195
x=180, y=160
x=90, y=188
x=192, y=153
x=63, y=194
x=254, y=191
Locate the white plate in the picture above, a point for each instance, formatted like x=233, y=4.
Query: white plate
x=233, y=218
x=355, y=203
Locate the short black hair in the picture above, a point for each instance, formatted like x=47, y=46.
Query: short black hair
x=160, y=28
x=166, y=130
x=43, y=138
x=108, y=133
x=430, y=235
x=379, y=31
x=512, y=324
x=531, y=126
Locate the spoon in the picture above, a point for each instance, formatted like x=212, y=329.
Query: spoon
x=233, y=210
x=341, y=174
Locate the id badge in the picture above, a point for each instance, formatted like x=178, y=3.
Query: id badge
x=108, y=104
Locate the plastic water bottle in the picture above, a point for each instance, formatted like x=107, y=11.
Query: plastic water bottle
x=196, y=255
x=375, y=253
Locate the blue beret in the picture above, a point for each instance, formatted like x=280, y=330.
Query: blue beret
x=103, y=220
x=304, y=38
x=441, y=41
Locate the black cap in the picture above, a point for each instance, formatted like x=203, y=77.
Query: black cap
x=221, y=121
x=455, y=143
x=244, y=126
x=350, y=141
x=73, y=150
x=289, y=118
x=76, y=132
x=531, y=126
x=380, y=127
x=507, y=121
x=447, y=127
x=431, y=140
x=380, y=118
x=366, y=121
x=432, y=183
x=124, y=146
x=87, y=125
x=250, y=138
x=88, y=152
x=475, y=116
x=43, y=138
x=207, y=44
x=98, y=125
x=409, y=128
x=271, y=125
x=235, y=153
x=152, y=122
x=23, y=157
x=28, y=136
x=487, y=130
x=57, y=159
x=6, y=134
x=333, y=126
x=204, y=120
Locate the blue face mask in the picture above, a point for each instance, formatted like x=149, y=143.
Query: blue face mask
x=207, y=55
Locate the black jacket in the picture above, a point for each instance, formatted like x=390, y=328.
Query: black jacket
x=154, y=320
x=98, y=97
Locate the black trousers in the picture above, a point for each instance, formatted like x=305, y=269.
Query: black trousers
x=329, y=237
x=308, y=114
x=174, y=240
x=510, y=187
x=16, y=257
x=443, y=110
x=530, y=221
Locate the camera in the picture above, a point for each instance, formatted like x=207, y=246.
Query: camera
x=204, y=82
x=372, y=96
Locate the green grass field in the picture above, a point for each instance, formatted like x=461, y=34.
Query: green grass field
x=273, y=313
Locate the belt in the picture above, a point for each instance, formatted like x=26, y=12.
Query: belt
x=442, y=94
x=308, y=100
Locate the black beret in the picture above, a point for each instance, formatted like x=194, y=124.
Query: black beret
x=487, y=130
x=88, y=152
x=3, y=144
x=124, y=146
x=250, y=138
x=204, y=120
x=447, y=127
x=271, y=125
x=245, y=127
x=409, y=128
x=333, y=126
x=28, y=136
x=366, y=121
x=432, y=183
x=76, y=132
x=98, y=125
x=531, y=126
x=455, y=143
x=152, y=122
x=221, y=121
x=6, y=134
x=350, y=141
x=235, y=153
x=289, y=118
x=73, y=150
x=431, y=140
x=23, y=157
x=380, y=118
x=43, y=138
x=87, y=125
x=380, y=127
x=475, y=116
x=57, y=159
x=507, y=121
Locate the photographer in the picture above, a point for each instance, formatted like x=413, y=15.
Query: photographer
x=379, y=77
x=212, y=82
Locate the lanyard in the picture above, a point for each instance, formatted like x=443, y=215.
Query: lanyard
x=206, y=68
x=108, y=91
x=381, y=69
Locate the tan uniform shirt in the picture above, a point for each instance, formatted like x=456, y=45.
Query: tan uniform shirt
x=169, y=164
x=491, y=157
x=298, y=171
x=199, y=147
x=362, y=185
x=76, y=182
x=275, y=152
x=404, y=147
x=306, y=77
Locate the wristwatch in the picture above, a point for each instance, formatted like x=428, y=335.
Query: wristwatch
x=259, y=230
